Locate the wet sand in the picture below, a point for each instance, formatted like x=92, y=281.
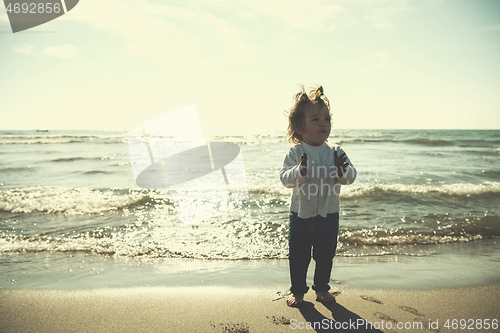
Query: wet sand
x=226, y=309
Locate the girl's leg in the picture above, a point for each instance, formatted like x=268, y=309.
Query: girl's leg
x=324, y=247
x=300, y=242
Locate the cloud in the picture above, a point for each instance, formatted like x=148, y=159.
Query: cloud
x=323, y=16
x=381, y=17
x=189, y=34
x=61, y=51
x=25, y=49
x=172, y=35
x=312, y=16
x=160, y=32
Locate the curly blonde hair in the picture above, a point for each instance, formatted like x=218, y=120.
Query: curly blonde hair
x=296, y=116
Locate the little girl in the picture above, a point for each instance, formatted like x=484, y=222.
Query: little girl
x=316, y=172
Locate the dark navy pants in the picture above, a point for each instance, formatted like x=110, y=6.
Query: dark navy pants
x=316, y=233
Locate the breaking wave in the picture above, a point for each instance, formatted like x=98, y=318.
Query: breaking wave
x=92, y=201
x=73, y=201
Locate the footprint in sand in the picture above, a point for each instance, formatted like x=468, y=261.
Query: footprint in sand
x=279, y=320
x=411, y=310
x=371, y=299
x=385, y=317
x=415, y=312
x=233, y=328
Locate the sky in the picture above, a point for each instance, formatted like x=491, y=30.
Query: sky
x=115, y=64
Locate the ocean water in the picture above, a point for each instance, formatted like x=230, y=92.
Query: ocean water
x=69, y=202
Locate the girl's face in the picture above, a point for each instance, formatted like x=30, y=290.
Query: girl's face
x=317, y=126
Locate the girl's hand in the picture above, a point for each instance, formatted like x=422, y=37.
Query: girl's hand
x=303, y=165
x=340, y=163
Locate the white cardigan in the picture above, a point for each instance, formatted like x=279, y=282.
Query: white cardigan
x=317, y=193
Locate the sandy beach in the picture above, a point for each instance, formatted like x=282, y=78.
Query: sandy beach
x=222, y=309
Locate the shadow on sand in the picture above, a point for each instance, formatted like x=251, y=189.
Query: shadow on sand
x=344, y=320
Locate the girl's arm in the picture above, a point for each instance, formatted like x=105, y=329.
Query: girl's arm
x=290, y=173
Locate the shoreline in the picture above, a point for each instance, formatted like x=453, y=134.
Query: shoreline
x=451, y=266
x=225, y=309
